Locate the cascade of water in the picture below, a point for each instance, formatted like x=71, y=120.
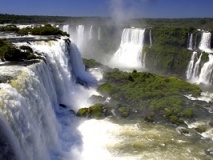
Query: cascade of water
x=31, y=115
x=150, y=38
x=196, y=69
x=195, y=44
x=205, y=44
x=129, y=54
x=190, y=67
x=78, y=68
x=80, y=35
x=65, y=28
x=190, y=45
x=206, y=71
x=99, y=33
x=91, y=32
x=35, y=126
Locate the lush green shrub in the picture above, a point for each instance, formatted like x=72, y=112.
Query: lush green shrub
x=106, y=89
x=42, y=30
x=10, y=53
x=91, y=63
x=169, y=53
x=124, y=110
x=94, y=111
x=149, y=93
x=9, y=28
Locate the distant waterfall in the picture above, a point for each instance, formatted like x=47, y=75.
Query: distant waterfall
x=206, y=71
x=91, y=33
x=196, y=69
x=150, y=38
x=205, y=44
x=195, y=43
x=80, y=35
x=65, y=28
x=190, y=67
x=197, y=73
x=99, y=33
x=190, y=45
x=129, y=54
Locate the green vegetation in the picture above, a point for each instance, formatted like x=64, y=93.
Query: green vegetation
x=201, y=128
x=47, y=29
x=149, y=95
x=202, y=23
x=91, y=63
x=169, y=54
x=9, y=52
x=95, y=111
x=9, y=28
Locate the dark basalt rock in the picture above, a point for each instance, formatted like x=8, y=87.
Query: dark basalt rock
x=63, y=105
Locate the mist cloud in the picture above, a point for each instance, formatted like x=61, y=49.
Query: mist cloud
x=119, y=10
x=122, y=10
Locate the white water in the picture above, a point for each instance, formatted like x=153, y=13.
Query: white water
x=129, y=54
x=190, y=67
x=78, y=67
x=196, y=70
x=136, y=141
x=99, y=33
x=197, y=73
x=206, y=71
x=65, y=28
x=29, y=105
x=91, y=33
x=150, y=38
x=205, y=44
x=80, y=36
x=190, y=46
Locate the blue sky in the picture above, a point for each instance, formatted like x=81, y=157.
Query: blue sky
x=125, y=8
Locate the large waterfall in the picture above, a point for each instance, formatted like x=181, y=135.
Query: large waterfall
x=129, y=54
x=196, y=72
x=190, y=68
x=31, y=121
x=82, y=34
x=190, y=43
x=205, y=44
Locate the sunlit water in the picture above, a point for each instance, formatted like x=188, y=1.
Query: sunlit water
x=135, y=140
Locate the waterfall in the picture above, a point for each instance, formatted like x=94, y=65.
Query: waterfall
x=199, y=74
x=129, y=54
x=91, y=32
x=78, y=67
x=206, y=71
x=99, y=33
x=196, y=69
x=34, y=125
x=150, y=38
x=65, y=28
x=190, y=45
x=80, y=35
x=190, y=67
x=205, y=44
